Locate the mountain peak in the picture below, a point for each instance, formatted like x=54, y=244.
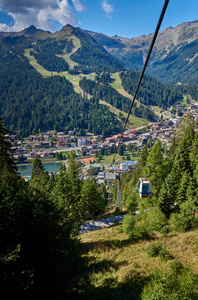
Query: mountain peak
x=30, y=30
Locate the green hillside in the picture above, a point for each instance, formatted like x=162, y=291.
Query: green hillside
x=64, y=80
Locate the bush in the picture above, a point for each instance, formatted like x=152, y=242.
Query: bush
x=154, y=249
x=139, y=232
x=181, y=221
x=157, y=249
x=165, y=285
x=164, y=230
x=134, y=228
x=164, y=254
x=155, y=219
x=128, y=223
x=176, y=266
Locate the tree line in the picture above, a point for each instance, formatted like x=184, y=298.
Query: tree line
x=40, y=255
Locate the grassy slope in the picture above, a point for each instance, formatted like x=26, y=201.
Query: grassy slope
x=73, y=79
x=77, y=45
x=133, y=122
x=112, y=258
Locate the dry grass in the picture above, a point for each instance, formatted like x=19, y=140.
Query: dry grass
x=111, y=255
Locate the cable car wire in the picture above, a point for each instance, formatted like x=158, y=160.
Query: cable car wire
x=145, y=65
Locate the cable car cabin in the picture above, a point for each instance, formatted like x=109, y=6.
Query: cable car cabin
x=144, y=187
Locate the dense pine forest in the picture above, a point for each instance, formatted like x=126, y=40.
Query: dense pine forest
x=151, y=92
x=41, y=255
x=100, y=89
x=30, y=103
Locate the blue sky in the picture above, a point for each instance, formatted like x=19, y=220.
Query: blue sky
x=126, y=18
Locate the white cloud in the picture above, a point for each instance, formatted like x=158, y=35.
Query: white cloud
x=107, y=7
x=78, y=6
x=41, y=13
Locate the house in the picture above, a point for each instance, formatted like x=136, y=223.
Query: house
x=62, y=140
x=111, y=176
x=37, y=146
x=125, y=166
x=133, y=132
x=46, y=144
x=156, y=127
x=168, y=123
x=93, y=169
x=111, y=139
x=31, y=138
x=33, y=154
x=100, y=178
x=98, y=138
x=83, y=141
x=71, y=132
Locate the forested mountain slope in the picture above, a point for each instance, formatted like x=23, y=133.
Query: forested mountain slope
x=36, y=95
x=174, y=57
x=30, y=102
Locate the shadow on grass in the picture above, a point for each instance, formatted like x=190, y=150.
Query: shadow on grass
x=106, y=245
x=129, y=289
x=105, y=265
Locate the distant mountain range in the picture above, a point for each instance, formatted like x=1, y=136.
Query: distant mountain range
x=174, y=57
x=57, y=80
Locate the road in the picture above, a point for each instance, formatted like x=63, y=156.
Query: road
x=98, y=224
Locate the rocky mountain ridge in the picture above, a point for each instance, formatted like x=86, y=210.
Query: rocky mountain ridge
x=170, y=42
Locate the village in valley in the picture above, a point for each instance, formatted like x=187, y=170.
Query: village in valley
x=95, y=152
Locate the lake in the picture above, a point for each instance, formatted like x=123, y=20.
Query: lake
x=26, y=170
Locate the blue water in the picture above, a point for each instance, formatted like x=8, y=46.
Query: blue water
x=26, y=170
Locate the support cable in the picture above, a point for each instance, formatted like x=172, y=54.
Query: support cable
x=145, y=65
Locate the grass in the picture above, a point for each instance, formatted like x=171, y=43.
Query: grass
x=113, y=259
x=107, y=159
x=74, y=79
x=116, y=81
x=133, y=121
x=77, y=45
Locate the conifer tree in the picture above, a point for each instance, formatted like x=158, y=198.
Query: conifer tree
x=38, y=257
x=40, y=179
x=92, y=203
x=144, y=156
x=157, y=170
x=167, y=196
x=182, y=189
x=6, y=153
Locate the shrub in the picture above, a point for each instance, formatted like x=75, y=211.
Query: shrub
x=157, y=249
x=155, y=219
x=171, y=286
x=139, y=232
x=136, y=228
x=176, y=266
x=180, y=222
x=128, y=223
x=164, y=254
x=164, y=230
x=154, y=249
